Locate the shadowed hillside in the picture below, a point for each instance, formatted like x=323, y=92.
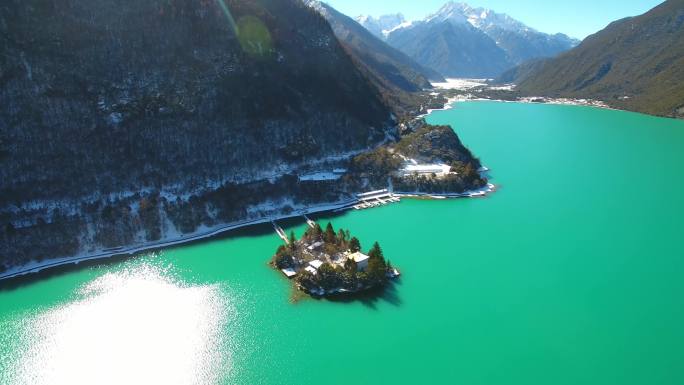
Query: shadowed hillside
x=635, y=63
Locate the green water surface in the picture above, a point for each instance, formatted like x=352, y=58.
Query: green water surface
x=571, y=273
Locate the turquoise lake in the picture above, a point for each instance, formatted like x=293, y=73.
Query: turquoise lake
x=572, y=272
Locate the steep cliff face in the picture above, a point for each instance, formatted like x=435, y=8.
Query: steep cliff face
x=100, y=96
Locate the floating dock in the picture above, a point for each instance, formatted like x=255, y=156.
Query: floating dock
x=375, y=199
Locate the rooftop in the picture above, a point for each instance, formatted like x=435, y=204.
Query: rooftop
x=358, y=257
x=371, y=193
x=315, y=245
x=427, y=168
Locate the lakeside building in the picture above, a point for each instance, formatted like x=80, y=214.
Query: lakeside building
x=371, y=195
x=438, y=169
x=361, y=260
x=315, y=246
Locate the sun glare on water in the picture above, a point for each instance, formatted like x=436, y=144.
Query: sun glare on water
x=133, y=327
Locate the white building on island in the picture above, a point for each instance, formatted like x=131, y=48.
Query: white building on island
x=360, y=259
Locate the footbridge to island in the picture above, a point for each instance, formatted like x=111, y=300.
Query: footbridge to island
x=363, y=201
x=281, y=233
x=309, y=222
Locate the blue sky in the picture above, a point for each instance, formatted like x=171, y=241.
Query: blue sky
x=577, y=18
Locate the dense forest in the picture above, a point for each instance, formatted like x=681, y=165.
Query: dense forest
x=101, y=96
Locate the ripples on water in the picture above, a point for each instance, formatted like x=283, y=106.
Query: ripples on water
x=137, y=326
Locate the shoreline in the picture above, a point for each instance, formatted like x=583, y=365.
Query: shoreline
x=535, y=100
x=479, y=193
x=336, y=207
x=449, y=105
x=463, y=86
x=37, y=267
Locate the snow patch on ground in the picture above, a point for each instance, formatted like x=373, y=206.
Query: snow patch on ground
x=320, y=176
x=45, y=209
x=406, y=24
x=172, y=237
x=505, y=87
x=460, y=84
x=447, y=106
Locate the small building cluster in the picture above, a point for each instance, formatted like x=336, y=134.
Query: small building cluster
x=359, y=258
x=323, y=262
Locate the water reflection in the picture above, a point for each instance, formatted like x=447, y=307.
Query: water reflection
x=138, y=326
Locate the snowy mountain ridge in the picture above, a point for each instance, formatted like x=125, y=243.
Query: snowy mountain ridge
x=483, y=19
x=454, y=12
x=381, y=26
x=463, y=41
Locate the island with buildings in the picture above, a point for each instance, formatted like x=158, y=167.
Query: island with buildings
x=326, y=263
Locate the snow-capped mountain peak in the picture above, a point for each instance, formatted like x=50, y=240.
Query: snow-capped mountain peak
x=318, y=6
x=382, y=25
x=480, y=18
x=452, y=12
x=474, y=42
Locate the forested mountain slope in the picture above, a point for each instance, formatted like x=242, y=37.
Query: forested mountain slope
x=115, y=115
x=103, y=96
x=393, y=72
x=128, y=123
x=635, y=63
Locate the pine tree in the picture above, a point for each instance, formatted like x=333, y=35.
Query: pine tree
x=293, y=241
x=354, y=245
x=341, y=237
x=9, y=229
x=329, y=236
x=376, y=252
x=317, y=231
x=377, y=268
x=350, y=265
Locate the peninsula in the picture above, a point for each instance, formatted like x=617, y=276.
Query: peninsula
x=324, y=263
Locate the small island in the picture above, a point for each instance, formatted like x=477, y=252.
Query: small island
x=325, y=263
